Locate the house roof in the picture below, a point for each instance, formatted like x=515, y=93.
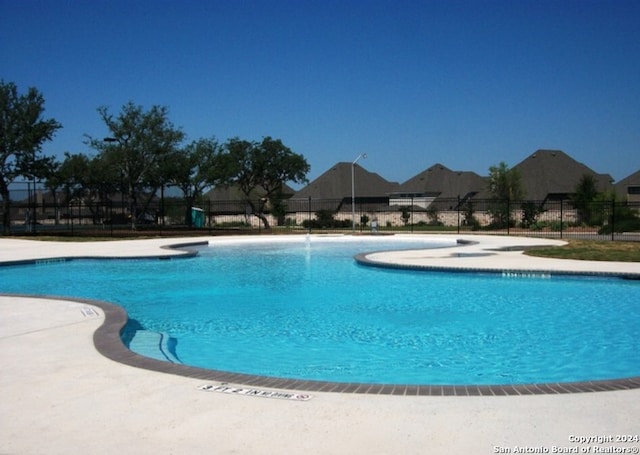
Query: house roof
x=440, y=181
x=335, y=183
x=622, y=187
x=547, y=172
x=633, y=179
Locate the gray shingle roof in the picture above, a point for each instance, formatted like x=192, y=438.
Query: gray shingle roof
x=545, y=173
x=633, y=179
x=553, y=172
x=622, y=187
x=335, y=183
x=444, y=183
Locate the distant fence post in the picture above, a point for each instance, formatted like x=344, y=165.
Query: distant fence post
x=613, y=218
x=309, y=214
x=110, y=206
x=458, y=212
x=70, y=203
x=508, y=216
x=561, y=216
x=34, y=214
x=411, y=224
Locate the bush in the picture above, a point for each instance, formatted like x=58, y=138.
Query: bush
x=558, y=226
x=324, y=220
x=624, y=225
x=474, y=223
x=530, y=213
x=232, y=224
x=538, y=226
x=406, y=215
x=550, y=225
x=324, y=224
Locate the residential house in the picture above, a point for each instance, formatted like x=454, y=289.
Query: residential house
x=629, y=188
x=337, y=183
x=438, y=184
x=552, y=175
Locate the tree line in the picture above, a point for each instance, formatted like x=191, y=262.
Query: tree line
x=142, y=153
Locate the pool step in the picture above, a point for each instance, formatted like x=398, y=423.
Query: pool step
x=156, y=345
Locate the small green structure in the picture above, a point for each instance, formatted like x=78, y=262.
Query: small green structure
x=197, y=217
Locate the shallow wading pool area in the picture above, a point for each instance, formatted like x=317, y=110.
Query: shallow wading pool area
x=302, y=308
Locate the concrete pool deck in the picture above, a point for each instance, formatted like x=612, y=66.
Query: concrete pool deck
x=61, y=396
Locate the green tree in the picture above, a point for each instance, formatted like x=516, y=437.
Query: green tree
x=139, y=145
x=101, y=183
x=53, y=183
x=72, y=174
x=199, y=165
x=23, y=130
x=260, y=170
x=583, y=198
x=89, y=180
x=505, y=186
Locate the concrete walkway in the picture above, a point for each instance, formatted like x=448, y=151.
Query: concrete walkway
x=60, y=396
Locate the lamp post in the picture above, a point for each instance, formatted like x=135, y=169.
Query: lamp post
x=353, y=191
x=113, y=140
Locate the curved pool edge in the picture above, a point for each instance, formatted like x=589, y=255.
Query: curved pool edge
x=174, y=251
x=107, y=342
x=364, y=260
x=482, y=254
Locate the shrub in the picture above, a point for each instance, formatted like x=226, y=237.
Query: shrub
x=530, y=213
x=621, y=225
x=474, y=223
x=406, y=215
x=324, y=220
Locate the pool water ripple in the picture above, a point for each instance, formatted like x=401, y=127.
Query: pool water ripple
x=310, y=312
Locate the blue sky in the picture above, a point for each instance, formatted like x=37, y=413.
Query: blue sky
x=411, y=83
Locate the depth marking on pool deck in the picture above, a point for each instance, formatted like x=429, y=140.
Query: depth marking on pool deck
x=89, y=312
x=223, y=388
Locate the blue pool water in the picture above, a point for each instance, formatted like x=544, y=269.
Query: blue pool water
x=307, y=310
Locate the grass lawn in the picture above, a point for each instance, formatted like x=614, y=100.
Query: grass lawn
x=592, y=250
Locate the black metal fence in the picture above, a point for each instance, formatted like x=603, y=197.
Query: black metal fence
x=34, y=210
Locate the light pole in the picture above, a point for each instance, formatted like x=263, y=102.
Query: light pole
x=113, y=140
x=353, y=191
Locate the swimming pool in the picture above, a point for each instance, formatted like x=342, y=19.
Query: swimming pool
x=307, y=310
